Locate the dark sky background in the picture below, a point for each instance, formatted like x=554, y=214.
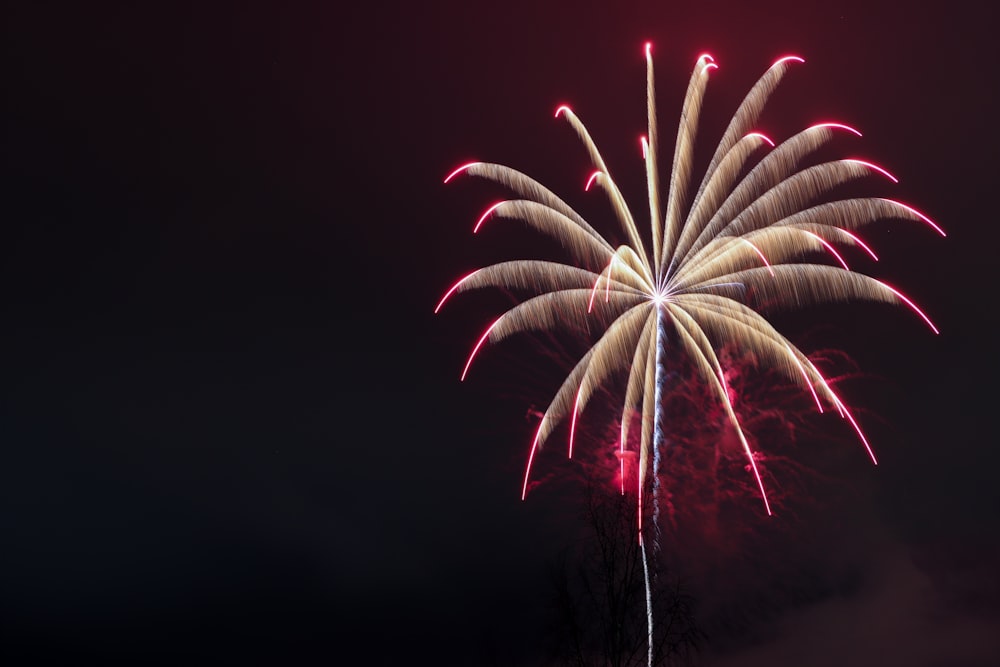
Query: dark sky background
x=233, y=430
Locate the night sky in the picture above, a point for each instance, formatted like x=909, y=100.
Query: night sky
x=233, y=430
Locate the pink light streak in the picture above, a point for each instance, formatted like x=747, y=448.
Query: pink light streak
x=644, y=145
x=861, y=243
x=786, y=59
x=762, y=257
x=826, y=384
x=709, y=64
x=746, y=445
x=621, y=454
x=761, y=136
x=482, y=218
x=831, y=249
x=756, y=474
x=593, y=291
x=725, y=385
x=844, y=412
x=453, y=288
x=805, y=376
x=839, y=126
x=460, y=170
x=475, y=350
x=572, y=422
x=531, y=458
x=607, y=285
x=918, y=214
x=561, y=109
x=874, y=167
x=590, y=181
x=912, y=305
x=649, y=49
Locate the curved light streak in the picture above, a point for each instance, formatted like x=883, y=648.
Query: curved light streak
x=857, y=240
x=597, y=281
x=761, y=255
x=531, y=459
x=479, y=344
x=845, y=413
x=786, y=59
x=486, y=214
x=839, y=126
x=805, y=376
x=830, y=249
x=912, y=306
x=918, y=214
x=453, y=288
x=827, y=388
x=766, y=138
x=874, y=167
x=460, y=170
x=743, y=441
x=572, y=422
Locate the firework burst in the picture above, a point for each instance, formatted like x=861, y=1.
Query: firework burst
x=717, y=252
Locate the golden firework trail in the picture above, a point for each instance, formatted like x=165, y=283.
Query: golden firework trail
x=717, y=252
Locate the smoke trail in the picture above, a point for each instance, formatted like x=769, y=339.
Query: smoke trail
x=658, y=437
x=649, y=602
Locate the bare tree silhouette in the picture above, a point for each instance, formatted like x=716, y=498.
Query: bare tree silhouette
x=599, y=594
